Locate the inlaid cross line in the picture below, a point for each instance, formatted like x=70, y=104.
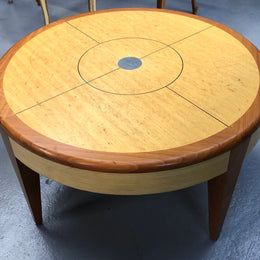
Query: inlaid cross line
x=198, y=107
x=48, y=99
x=82, y=32
x=192, y=35
x=103, y=75
x=169, y=45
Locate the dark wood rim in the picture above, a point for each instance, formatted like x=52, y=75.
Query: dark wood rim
x=129, y=162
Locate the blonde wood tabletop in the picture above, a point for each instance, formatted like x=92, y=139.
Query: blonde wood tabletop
x=64, y=85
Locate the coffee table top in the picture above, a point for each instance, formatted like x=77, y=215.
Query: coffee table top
x=130, y=90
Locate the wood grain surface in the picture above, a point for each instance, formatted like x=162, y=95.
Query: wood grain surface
x=196, y=94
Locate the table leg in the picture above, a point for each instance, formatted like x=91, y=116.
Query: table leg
x=29, y=181
x=161, y=4
x=194, y=6
x=220, y=190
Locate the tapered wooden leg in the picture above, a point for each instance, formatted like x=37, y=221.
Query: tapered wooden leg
x=220, y=190
x=92, y=5
x=161, y=4
x=29, y=181
x=194, y=7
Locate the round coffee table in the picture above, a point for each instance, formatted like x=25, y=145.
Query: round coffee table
x=131, y=101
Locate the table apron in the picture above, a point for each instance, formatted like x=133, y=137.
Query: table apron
x=123, y=183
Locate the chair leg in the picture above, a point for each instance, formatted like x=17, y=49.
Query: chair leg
x=38, y=2
x=92, y=5
x=45, y=11
x=220, y=190
x=194, y=7
x=29, y=181
x=161, y=4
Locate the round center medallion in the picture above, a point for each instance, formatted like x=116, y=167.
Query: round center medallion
x=129, y=63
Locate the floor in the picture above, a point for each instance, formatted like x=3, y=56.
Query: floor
x=84, y=225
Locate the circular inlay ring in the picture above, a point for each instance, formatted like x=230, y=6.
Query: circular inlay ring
x=132, y=68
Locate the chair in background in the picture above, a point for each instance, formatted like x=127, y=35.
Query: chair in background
x=37, y=1
x=43, y=3
x=161, y=4
x=45, y=11
x=92, y=7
